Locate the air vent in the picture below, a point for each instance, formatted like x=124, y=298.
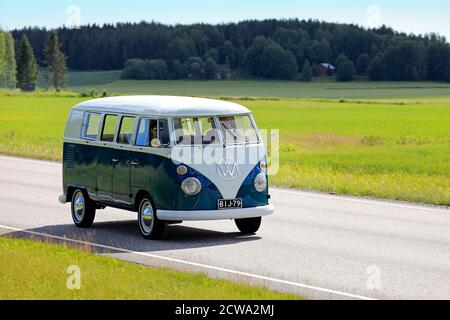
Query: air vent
x=71, y=155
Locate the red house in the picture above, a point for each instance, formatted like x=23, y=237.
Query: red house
x=325, y=69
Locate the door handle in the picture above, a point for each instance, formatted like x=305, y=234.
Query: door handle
x=134, y=163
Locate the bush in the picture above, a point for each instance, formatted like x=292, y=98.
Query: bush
x=195, y=68
x=156, y=69
x=340, y=59
x=307, y=72
x=134, y=69
x=345, y=71
x=139, y=69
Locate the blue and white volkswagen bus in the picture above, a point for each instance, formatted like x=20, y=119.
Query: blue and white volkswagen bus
x=170, y=159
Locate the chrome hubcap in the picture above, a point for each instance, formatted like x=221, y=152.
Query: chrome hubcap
x=147, y=217
x=78, y=206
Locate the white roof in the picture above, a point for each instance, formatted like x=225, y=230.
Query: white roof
x=163, y=106
x=328, y=65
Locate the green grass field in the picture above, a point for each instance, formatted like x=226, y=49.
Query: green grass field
x=385, y=149
x=83, y=79
x=35, y=270
x=320, y=89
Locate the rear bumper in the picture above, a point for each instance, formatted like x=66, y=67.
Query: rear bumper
x=173, y=215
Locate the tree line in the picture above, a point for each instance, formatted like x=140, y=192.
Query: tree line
x=22, y=71
x=278, y=49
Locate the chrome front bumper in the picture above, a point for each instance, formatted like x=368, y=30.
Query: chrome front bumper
x=202, y=215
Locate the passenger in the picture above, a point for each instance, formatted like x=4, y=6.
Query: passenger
x=153, y=130
x=154, y=141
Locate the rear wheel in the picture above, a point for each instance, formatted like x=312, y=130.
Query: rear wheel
x=248, y=225
x=83, y=209
x=149, y=224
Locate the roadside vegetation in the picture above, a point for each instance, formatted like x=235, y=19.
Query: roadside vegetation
x=36, y=270
x=385, y=148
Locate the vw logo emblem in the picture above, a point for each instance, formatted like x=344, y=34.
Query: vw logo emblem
x=227, y=168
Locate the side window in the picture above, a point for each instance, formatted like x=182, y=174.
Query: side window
x=91, y=124
x=126, y=130
x=109, y=128
x=163, y=132
x=143, y=136
x=153, y=133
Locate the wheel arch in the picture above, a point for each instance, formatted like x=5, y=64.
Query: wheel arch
x=139, y=196
x=71, y=189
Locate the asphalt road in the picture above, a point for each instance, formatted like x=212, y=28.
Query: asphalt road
x=320, y=246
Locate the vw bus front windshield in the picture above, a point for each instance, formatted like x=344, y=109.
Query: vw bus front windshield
x=238, y=129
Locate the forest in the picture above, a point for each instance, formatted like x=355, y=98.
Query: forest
x=277, y=49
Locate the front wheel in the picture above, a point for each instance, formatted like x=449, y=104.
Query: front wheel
x=248, y=225
x=83, y=209
x=149, y=224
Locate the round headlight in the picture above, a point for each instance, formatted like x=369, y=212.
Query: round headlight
x=182, y=170
x=260, y=182
x=191, y=186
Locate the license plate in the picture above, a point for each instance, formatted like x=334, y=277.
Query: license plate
x=224, y=204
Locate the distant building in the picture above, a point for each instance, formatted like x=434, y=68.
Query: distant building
x=223, y=72
x=325, y=69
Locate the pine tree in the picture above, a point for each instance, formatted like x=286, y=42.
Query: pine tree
x=2, y=59
x=56, y=69
x=27, y=69
x=10, y=61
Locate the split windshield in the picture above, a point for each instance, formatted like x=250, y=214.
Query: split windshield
x=238, y=130
x=203, y=130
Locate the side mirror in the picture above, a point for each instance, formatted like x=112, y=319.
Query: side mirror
x=155, y=143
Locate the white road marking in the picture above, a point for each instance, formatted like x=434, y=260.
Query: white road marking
x=343, y=198
x=205, y=266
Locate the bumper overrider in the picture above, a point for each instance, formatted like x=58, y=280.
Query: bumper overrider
x=203, y=215
x=62, y=199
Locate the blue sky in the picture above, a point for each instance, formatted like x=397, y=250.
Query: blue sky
x=409, y=16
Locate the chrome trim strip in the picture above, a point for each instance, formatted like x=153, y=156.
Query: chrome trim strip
x=165, y=152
